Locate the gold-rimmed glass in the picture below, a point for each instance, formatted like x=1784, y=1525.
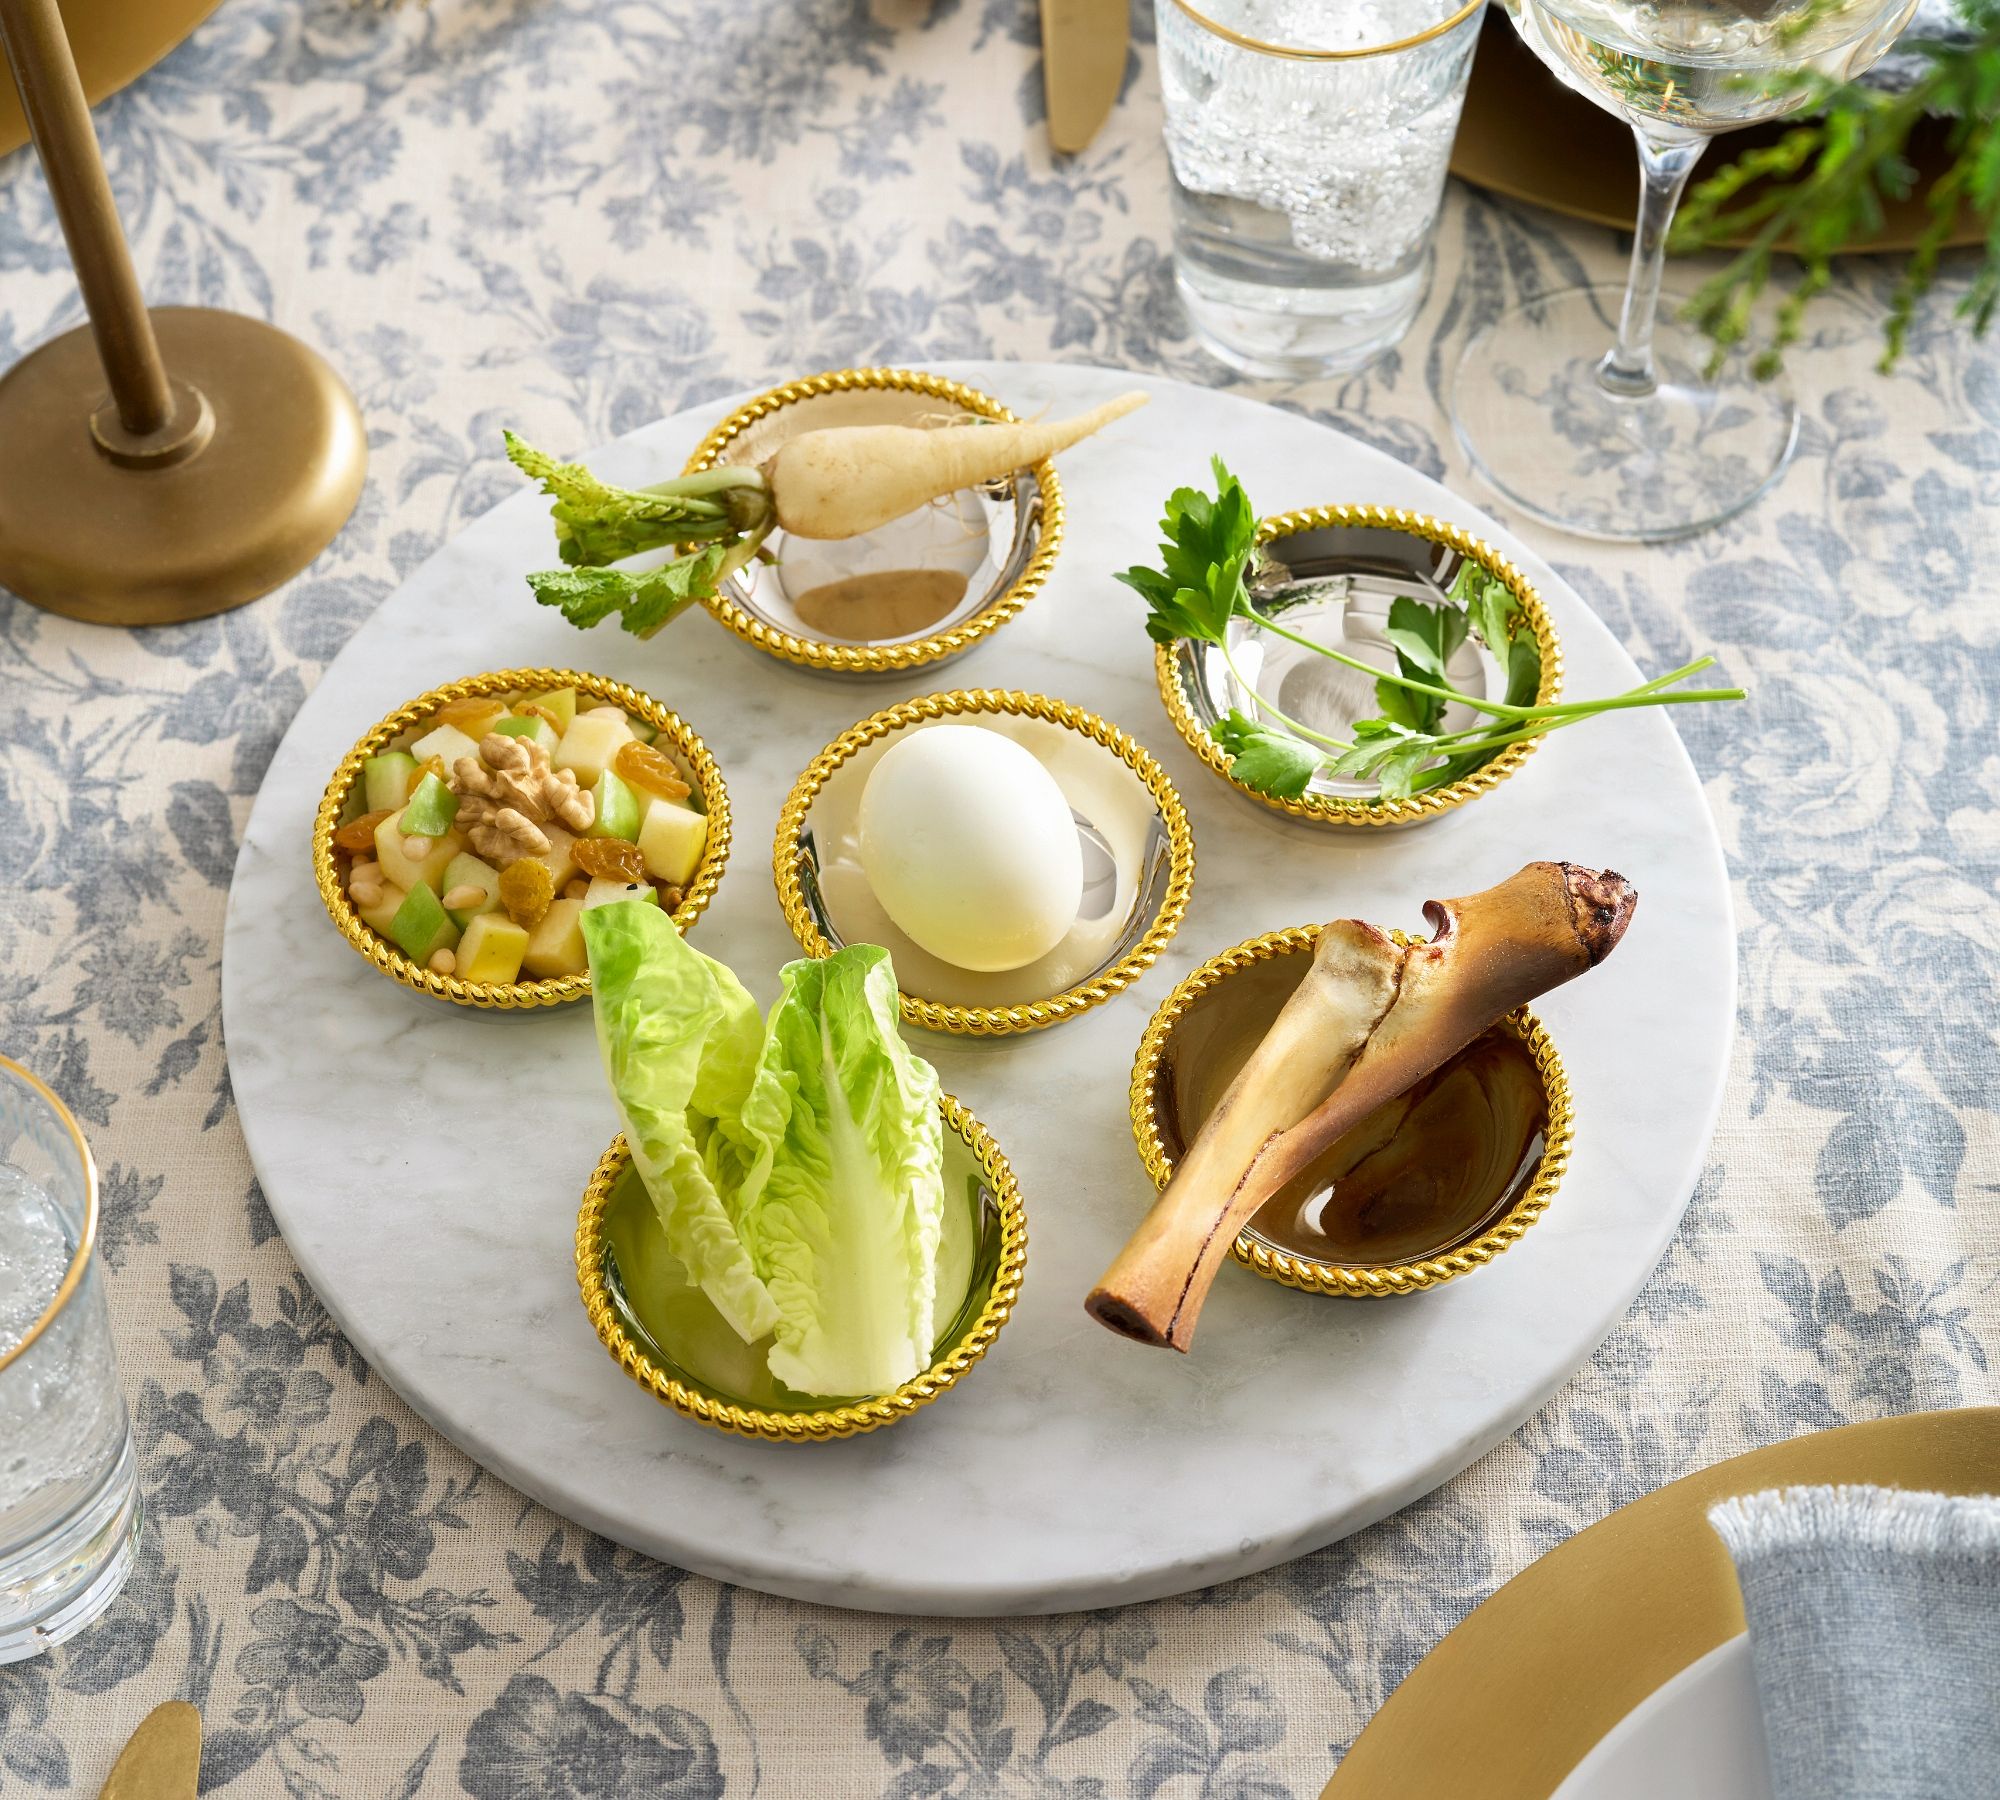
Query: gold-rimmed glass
x=1307, y=145
x=69, y=1491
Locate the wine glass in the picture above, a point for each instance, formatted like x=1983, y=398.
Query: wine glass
x=1643, y=442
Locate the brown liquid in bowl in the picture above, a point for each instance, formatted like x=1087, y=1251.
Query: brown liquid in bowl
x=1428, y=1171
x=893, y=603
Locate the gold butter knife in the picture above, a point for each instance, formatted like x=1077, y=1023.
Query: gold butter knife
x=1083, y=65
x=162, y=1759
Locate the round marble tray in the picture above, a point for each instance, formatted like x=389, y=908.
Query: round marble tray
x=425, y=1163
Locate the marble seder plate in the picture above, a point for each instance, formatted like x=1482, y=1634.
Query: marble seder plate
x=425, y=1162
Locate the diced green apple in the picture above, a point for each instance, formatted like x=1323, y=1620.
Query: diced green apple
x=379, y=917
x=422, y=927
x=492, y=949
x=538, y=729
x=354, y=805
x=388, y=779
x=640, y=729
x=466, y=870
x=617, y=811
x=448, y=743
x=403, y=869
x=589, y=745
x=432, y=807
x=603, y=891
x=555, y=946
x=561, y=702
x=671, y=842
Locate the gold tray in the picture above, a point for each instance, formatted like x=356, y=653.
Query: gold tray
x=1508, y=1703
x=1527, y=136
x=114, y=42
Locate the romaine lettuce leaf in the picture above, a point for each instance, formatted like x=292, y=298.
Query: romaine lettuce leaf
x=841, y=1200
x=680, y=1040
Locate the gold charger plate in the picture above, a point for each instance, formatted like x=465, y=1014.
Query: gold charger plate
x=115, y=42
x=1527, y=136
x=1508, y=1703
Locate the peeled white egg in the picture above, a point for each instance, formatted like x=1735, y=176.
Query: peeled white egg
x=970, y=847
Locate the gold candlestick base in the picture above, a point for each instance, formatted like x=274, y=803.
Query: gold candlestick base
x=258, y=468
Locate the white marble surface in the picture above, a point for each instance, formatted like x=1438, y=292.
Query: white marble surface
x=425, y=1163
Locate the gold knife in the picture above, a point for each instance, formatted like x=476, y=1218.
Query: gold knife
x=162, y=1760
x=1083, y=65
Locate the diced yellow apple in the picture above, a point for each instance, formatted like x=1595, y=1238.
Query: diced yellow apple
x=492, y=949
x=589, y=745
x=603, y=891
x=406, y=872
x=560, y=857
x=555, y=946
x=446, y=742
x=378, y=916
x=671, y=841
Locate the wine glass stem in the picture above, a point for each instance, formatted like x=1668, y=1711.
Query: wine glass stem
x=1664, y=167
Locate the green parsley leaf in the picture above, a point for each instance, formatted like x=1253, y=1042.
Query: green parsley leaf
x=1270, y=761
x=1205, y=546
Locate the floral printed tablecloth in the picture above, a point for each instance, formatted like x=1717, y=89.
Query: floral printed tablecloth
x=578, y=215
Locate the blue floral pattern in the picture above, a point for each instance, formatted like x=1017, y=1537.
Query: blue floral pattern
x=575, y=218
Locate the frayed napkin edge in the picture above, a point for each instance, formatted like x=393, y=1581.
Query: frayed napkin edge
x=1903, y=1521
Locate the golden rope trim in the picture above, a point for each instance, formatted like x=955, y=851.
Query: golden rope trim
x=554, y=990
x=1325, y=809
x=1035, y=1015
x=879, y=659
x=825, y=1423
x=1558, y=1139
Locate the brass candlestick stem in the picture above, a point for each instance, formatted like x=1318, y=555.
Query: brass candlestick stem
x=225, y=454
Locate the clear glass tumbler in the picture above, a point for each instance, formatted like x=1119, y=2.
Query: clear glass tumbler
x=69, y=1480
x=1308, y=141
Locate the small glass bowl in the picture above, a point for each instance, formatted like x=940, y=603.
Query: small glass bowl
x=690, y=754
x=1534, y=1186
x=1138, y=853
x=1000, y=539
x=731, y=1390
x=1346, y=564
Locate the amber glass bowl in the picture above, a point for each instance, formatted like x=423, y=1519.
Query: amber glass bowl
x=675, y=738
x=1531, y=1194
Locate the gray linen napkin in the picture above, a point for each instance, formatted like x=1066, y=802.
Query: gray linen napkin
x=1875, y=1632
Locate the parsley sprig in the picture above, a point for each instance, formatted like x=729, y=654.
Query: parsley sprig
x=1201, y=588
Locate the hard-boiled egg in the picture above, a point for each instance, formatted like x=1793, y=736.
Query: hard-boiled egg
x=970, y=847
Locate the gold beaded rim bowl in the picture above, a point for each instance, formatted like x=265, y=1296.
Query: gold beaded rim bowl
x=985, y=1245
x=674, y=737
x=1344, y=564
x=1138, y=851
x=1001, y=539
x=1534, y=1186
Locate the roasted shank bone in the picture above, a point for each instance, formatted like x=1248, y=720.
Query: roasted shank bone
x=1370, y=1020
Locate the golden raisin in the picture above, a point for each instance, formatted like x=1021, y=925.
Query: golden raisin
x=526, y=891
x=531, y=710
x=473, y=709
x=645, y=767
x=431, y=765
x=610, y=858
x=359, y=834
x=670, y=896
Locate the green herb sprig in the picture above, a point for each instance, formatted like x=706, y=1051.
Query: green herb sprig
x=716, y=521
x=1208, y=550
x=1822, y=187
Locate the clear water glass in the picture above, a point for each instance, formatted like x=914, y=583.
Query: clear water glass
x=69, y=1481
x=1308, y=141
